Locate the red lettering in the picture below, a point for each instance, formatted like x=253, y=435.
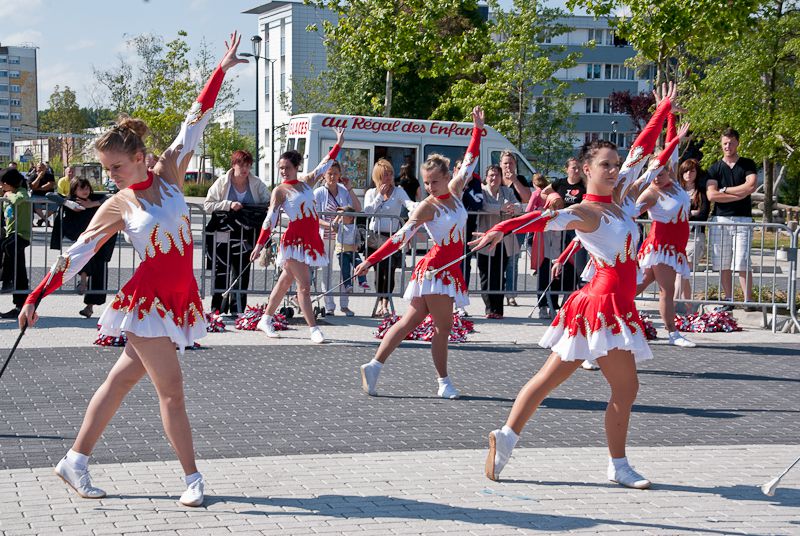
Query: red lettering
x=334, y=122
x=414, y=128
x=362, y=123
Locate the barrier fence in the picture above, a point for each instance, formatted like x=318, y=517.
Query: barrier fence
x=223, y=242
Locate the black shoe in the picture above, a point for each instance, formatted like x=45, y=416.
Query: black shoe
x=724, y=309
x=13, y=313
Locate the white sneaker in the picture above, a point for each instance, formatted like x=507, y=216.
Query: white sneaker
x=544, y=313
x=462, y=312
x=347, y=312
x=447, y=391
x=627, y=477
x=676, y=339
x=590, y=364
x=369, y=378
x=500, y=447
x=267, y=327
x=316, y=335
x=193, y=496
x=78, y=479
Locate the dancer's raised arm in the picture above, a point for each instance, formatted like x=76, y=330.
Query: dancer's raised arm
x=311, y=177
x=470, y=160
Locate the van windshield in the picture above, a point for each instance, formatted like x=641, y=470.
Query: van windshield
x=453, y=152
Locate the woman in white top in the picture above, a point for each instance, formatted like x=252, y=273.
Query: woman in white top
x=230, y=193
x=386, y=202
x=335, y=192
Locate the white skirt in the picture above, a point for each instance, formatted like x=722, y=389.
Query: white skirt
x=599, y=343
x=677, y=262
x=435, y=286
x=115, y=322
x=299, y=254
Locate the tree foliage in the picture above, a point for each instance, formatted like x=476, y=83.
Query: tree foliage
x=220, y=143
x=515, y=82
x=161, y=83
x=638, y=107
x=392, y=57
x=63, y=116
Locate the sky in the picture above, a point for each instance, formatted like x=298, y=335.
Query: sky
x=75, y=36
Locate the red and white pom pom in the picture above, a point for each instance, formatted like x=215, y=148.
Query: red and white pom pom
x=248, y=320
x=650, y=332
x=715, y=322
x=108, y=340
x=214, y=322
x=425, y=331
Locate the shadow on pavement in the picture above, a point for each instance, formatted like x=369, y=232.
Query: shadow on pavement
x=594, y=405
x=716, y=376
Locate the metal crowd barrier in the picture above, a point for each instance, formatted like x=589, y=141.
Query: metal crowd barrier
x=219, y=257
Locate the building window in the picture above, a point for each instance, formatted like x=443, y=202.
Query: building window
x=15, y=102
x=13, y=74
x=16, y=117
x=267, y=94
x=3, y=115
x=601, y=37
x=620, y=139
x=616, y=71
x=593, y=105
x=3, y=59
x=594, y=71
x=283, y=37
x=13, y=60
x=14, y=88
x=4, y=87
x=3, y=74
x=3, y=102
x=16, y=130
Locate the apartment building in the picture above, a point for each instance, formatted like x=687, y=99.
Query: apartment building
x=18, y=98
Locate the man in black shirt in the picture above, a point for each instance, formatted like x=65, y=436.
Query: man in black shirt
x=730, y=182
x=43, y=183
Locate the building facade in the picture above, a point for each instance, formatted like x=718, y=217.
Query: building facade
x=289, y=54
x=600, y=71
x=243, y=121
x=18, y=97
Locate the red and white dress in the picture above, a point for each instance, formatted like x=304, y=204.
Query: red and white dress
x=301, y=240
x=161, y=299
x=669, y=233
x=447, y=230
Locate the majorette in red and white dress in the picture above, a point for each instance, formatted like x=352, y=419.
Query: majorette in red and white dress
x=447, y=230
x=161, y=299
x=301, y=240
x=602, y=315
x=669, y=233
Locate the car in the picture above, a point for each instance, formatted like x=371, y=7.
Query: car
x=110, y=185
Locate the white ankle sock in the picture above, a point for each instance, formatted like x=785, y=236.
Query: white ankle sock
x=78, y=460
x=313, y=329
x=375, y=363
x=619, y=463
x=194, y=477
x=443, y=381
x=508, y=432
x=267, y=318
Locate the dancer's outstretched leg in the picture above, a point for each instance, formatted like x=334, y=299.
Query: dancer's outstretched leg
x=416, y=313
x=441, y=310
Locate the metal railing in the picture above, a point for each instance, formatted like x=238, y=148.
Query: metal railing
x=222, y=255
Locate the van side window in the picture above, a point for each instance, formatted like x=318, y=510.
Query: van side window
x=301, y=146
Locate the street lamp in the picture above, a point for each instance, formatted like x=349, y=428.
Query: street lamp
x=256, y=55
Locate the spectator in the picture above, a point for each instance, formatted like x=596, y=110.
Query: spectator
x=13, y=165
x=238, y=200
x=347, y=243
x=691, y=179
x=64, y=182
x=150, y=160
x=730, y=182
x=498, y=201
x=42, y=183
x=386, y=202
x=570, y=190
x=522, y=191
x=409, y=182
x=74, y=220
x=334, y=193
x=545, y=247
x=13, y=273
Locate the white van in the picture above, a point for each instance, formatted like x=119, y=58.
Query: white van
x=400, y=141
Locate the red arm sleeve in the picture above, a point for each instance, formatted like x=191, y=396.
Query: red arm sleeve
x=569, y=252
x=532, y=222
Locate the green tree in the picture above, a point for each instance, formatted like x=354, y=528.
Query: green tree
x=162, y=83
x=63, y=116
x=381, y=49
x=752, y=86
x=515, y=83
x=220, y=143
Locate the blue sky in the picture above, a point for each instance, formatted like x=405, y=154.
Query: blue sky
x=73, y=36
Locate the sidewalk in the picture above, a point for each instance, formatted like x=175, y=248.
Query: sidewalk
x=697, y=490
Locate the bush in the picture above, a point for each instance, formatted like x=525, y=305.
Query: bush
x=760, y=294
x=196, y=189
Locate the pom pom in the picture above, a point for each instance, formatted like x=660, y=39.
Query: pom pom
x=424, y=332
x=650, y=332
x=715, y=322
x=108, y=340
x=214, y=323
x=248, y=320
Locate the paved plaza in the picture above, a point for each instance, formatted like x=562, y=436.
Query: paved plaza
x=289, y=444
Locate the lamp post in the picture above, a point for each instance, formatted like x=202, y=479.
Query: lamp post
x=256, y=55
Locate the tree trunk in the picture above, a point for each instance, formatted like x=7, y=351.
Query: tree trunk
x=769, y=173
x=387, y=103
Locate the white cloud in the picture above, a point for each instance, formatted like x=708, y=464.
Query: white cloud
x=60, y=74
x=26, y=11
x=81, y=45
x=34, y=37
